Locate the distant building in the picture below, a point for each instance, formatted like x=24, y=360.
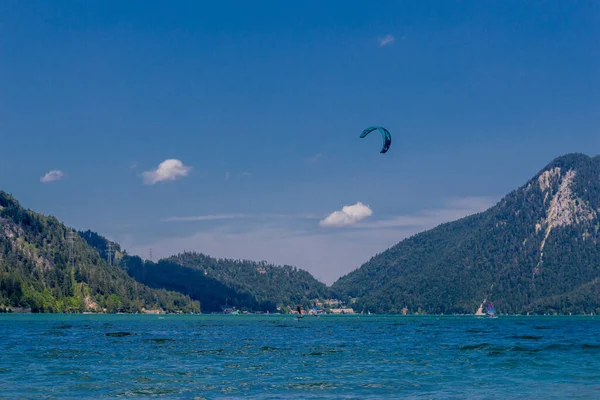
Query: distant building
x=25, y=310
x=159, y=311
x=342, y=311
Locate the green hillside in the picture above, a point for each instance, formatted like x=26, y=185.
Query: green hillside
x=36, y=272
x=248, y=285
x=535, y=251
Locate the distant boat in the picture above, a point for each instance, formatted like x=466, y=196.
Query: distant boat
x=490, y=311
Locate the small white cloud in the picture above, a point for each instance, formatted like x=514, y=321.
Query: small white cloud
x=349, y=215
x=388, y=39
x=51, y=176
x=245, y=173
x=227, y=174
x=167, y=170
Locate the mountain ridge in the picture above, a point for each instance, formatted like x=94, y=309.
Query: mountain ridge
x=535, y=244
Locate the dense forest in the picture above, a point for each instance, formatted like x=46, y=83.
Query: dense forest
x=37, y=271
x=535, y=251
x=247, y=285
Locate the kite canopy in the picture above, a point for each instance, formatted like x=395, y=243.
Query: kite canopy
x=387, y=138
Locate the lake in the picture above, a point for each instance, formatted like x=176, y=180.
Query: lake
x=278, y=356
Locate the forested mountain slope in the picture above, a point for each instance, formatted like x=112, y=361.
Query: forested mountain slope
x=535, y=251
x=36, y=272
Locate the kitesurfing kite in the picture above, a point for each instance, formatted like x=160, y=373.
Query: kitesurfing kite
x=387, y=138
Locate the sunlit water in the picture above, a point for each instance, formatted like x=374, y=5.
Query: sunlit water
x=271, y=356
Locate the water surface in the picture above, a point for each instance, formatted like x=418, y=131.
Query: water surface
x=276, y=356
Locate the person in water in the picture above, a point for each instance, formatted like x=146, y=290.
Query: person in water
x=299, y=312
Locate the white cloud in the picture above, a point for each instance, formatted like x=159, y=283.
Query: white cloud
x=51, y=176
x=245, y=173
x=227, y=174
x=388, y=39
x=167, y=170
x=349, y=215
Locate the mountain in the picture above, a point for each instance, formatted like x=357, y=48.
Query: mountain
x=535, y=251
x=247, y=285
x=36, y=270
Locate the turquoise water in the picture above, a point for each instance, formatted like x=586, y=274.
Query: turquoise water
x=268, y=357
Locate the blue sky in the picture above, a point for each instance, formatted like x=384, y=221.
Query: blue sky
x=262, y=104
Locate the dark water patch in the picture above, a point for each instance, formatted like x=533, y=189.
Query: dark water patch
x=3, y=370
x=210, y=351
x=118, y=334
x=61, y=326
x=399, y=324
x=526, y=337
x=587, y=346
x=269, y=348
x=542, y=327
x=558, y=346
x=475, y=330
x=55, y=333
x=324, y=352
x=522, y=349
x=474, y=346
x=161, y=340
